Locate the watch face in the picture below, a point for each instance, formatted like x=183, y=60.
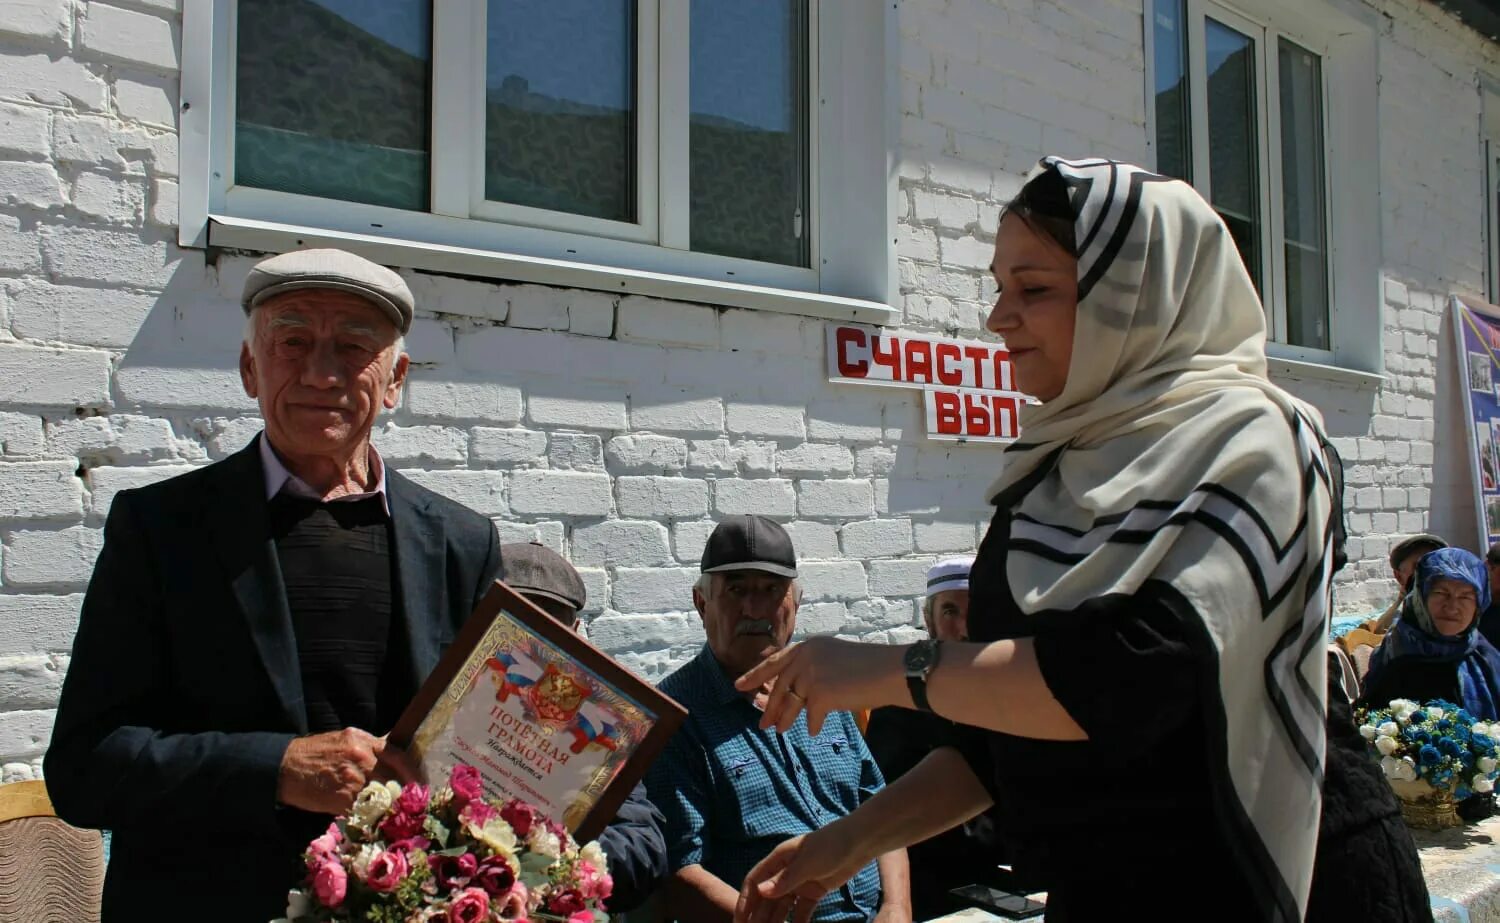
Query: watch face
x=918, y=657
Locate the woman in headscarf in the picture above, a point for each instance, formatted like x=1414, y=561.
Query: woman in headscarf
x=1435, y=650
x=1145, y=679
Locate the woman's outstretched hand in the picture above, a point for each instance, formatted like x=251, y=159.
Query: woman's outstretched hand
x=823, y=675
x=796, y=875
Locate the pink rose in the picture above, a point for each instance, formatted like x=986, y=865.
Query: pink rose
x=386, y=870
x=414, y=798
x=330, y=883
x=399, y=825
x=519, y=815
x=513, y=907
x=582, y=916
x=592, y=883
x=411, y=844
x=471, y=905
x=466, y=784
x=495, y=876
x=566, y=902
x=324, y=847
x=477, y=813
x=453, y=872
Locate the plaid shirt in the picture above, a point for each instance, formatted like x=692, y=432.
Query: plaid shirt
x=731, y=792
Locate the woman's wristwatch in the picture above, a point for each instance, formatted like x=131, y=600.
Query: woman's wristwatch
x=920, y=660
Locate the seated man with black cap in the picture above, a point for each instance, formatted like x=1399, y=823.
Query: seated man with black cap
x=1404, y=557
x=633, y=840
x=730, y=791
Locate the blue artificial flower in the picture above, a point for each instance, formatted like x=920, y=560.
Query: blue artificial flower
x=1429, y=755
x=1482, y=742
x=1449, y=746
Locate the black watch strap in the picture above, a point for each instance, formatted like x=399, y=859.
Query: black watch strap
x=918, y=687
x=921, y=658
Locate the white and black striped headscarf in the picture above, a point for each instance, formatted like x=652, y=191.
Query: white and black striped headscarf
x=1186, y=474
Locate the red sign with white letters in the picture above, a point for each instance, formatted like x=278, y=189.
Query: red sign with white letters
x=969, y=385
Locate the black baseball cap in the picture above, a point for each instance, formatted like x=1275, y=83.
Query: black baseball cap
x=533, y=569
x=750, y=543
x=1407, y=545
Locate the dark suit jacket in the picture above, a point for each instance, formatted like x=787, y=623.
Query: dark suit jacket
x=184, y=687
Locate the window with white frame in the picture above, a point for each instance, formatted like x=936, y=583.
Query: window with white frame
x=1238, y=106
x=713, y=140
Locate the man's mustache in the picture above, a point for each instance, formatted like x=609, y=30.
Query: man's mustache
x=753, y=627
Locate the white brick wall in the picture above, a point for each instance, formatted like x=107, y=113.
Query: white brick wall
x=613, y=428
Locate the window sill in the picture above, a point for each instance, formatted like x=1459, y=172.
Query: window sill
x=1298, y=370
x=272, y=237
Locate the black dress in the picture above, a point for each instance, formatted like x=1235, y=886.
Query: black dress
x=1128, y=823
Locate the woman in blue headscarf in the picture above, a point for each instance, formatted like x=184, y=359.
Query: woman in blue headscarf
x=1435, y=650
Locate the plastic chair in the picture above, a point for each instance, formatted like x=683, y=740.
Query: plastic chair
x=1359, y=645
x=50, y=872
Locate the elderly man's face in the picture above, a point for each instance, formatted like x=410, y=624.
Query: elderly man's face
x=322, y=364
x=948, y=615
x=744, y=613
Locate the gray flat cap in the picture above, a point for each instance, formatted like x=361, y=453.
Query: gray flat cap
x=533, y=569
x=335, y=269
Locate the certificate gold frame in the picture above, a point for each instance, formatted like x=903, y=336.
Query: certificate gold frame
x=544, y=715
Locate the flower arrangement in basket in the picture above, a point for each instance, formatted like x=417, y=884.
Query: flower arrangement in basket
x=1434, y=755
x=413, y=855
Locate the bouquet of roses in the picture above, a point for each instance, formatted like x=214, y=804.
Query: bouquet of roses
x=413, y=855
x=1437, y=743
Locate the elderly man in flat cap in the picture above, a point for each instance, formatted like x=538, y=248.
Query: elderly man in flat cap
x=254, y=627
x=633, y=841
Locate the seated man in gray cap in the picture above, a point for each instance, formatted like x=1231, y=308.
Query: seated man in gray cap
x=1404, y=557
x=254, y=627
x=633, y=840
x=730, y=791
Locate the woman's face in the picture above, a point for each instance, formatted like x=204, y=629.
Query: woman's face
x=1037, y=307
x=1453, y=604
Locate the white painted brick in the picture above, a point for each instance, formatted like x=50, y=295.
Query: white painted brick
x=430, y=342
x=25, y=131
x=967, y=253
x=25, y=733
x=37, y=558
x=63, y=82
x=105, y=483
x=109, y=257
x=559, y=493
x=841, y=499
x=449, y=295
x=646, y=454
x=227, y=435
x=30, y=185
x=111, y=440
x=821, y=619
x=876, y=538
x=107, y=317
x=905, y=577
x=97, y=142
x=667, y=322
x=20, y=251
x=617, y=543
x=832, y=580
x=814, y=460
x=21, y=434
x=40, y=490
x=595, y=588
x=714, y=456
x=163, y=213
x=663, y=498
x=183, y=388
x=690, y=538
x=53, y=377
x=880, y=613
x=677, y=413
x=653, y=589
x=755, y=458
x=461, y=400
x=848, y=419
x=46, y=21
x=116, y=200
x=491, y=446
x=150, y=99
x=125, y=35
x=537, y=307
x=945, y=536
x=421, y=446
x=875, y=461
x=748, y=330
x=591, y=314
x=600, y=410
x=773, y=420
x=576, y=451
x=770, y=497
x=813, y=540
x=549, y=534
x=907, y=497
x=616, y=631
x=480, y=491
x=31, y=680
x=38, y=624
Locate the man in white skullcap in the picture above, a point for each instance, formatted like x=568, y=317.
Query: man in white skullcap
x=946, y=610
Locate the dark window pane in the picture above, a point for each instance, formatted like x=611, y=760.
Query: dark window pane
x=1233, y=139
x=1174, y=147
x=748, y=156
x=1303, y=203
x=331, y=99
x=560, y=106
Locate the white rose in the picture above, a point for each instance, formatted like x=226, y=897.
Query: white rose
x=298, y=904
x=1367, y=731
x=1435, y=713
x=1487, y=764
x=373, y=803
x=1388, y=765
x=1386, y=745
x=1479, y=727
x=544, y=842
x=361, y=864
x=1406, y=770
x=1388, y=729
x=593, y=854
x=1483, y=784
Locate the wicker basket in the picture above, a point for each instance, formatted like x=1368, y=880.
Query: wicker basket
x=1425, y=807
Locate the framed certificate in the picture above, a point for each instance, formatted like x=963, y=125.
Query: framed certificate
x=543, y=715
